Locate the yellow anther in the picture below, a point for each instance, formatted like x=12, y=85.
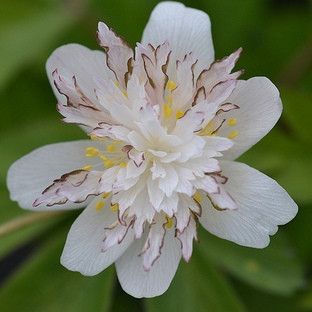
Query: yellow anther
x=169, y=223
x=92, y=152
x=232, y=121
x=167, y=110
x=207, y=130
x=123, y=164
x=93, y=137
x=124, y=92
x=179, y=114
x=109, y=163
x=171, y=85
x=87, y=167
x=233, y=134
x=105, y=195
x=115, y=207
x=111, y=148
x=103, y=157
x=99, y=205
x=197, y=197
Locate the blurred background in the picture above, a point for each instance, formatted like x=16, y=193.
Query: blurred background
x=277, y=40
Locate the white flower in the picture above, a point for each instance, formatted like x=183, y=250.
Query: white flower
x=166, y=122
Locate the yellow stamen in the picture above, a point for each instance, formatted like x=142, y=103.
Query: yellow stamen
x=169, y=223
x=207, y=130
x=197, y=197
x=108, y=163
x=99, y=205
x=171, y=85
x=111, y=148
x=233, y=134
x=105, y=195
x=93, y=137
x=116, y=83
x=124, y=92
x=123, y=164
x=232, y=121
x=167, y=110
x=87, y=167
x=115, y=207
x=103, y=157
x=179, y=114
x=92, y=152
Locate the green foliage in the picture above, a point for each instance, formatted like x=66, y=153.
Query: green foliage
x=43, y=285
x=197, y=286
x=23, y=40
x=275, y=268
x=221, y=276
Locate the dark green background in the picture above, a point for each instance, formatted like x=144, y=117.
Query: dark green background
x=277, y=41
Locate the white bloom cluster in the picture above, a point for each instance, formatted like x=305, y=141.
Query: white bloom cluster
x=165, y=122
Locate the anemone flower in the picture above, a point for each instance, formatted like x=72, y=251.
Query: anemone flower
x=165, y=122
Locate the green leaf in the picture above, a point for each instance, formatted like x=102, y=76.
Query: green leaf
x=259, y=301
x=297, y=232
x=306, y=300
x=297, y=112
x=197, y=286
x=275, y=268
x=25, y=39
x=42, y=284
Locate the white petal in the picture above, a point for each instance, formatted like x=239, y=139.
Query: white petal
x=222, y=199
x=126, y=198
x=207, y=184
x=82, y=251
x=170, y=181
x=136, y=281
x=115, y=233
x=217, y=143
x=31, y=174
x=156, y=195
x=186, y=29
x=262, y=205
x=169, y=205
x=75, y=186
x=220, y=71
x=119, y=54
x=153, y=245
x=142, y=210
x=154, y=64
x=76, y=60
x=182, y=215
x=186, y=238
x=260, y=108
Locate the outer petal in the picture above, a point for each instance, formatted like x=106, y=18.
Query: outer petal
x=76, y=60
x=187, y=30
x=118, y=53
x=82, y=251
x=262, y=205
x=31, y=174
x=139, y=283
x=260, y=108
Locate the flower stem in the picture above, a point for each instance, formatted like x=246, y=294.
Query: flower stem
x=26, y=220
